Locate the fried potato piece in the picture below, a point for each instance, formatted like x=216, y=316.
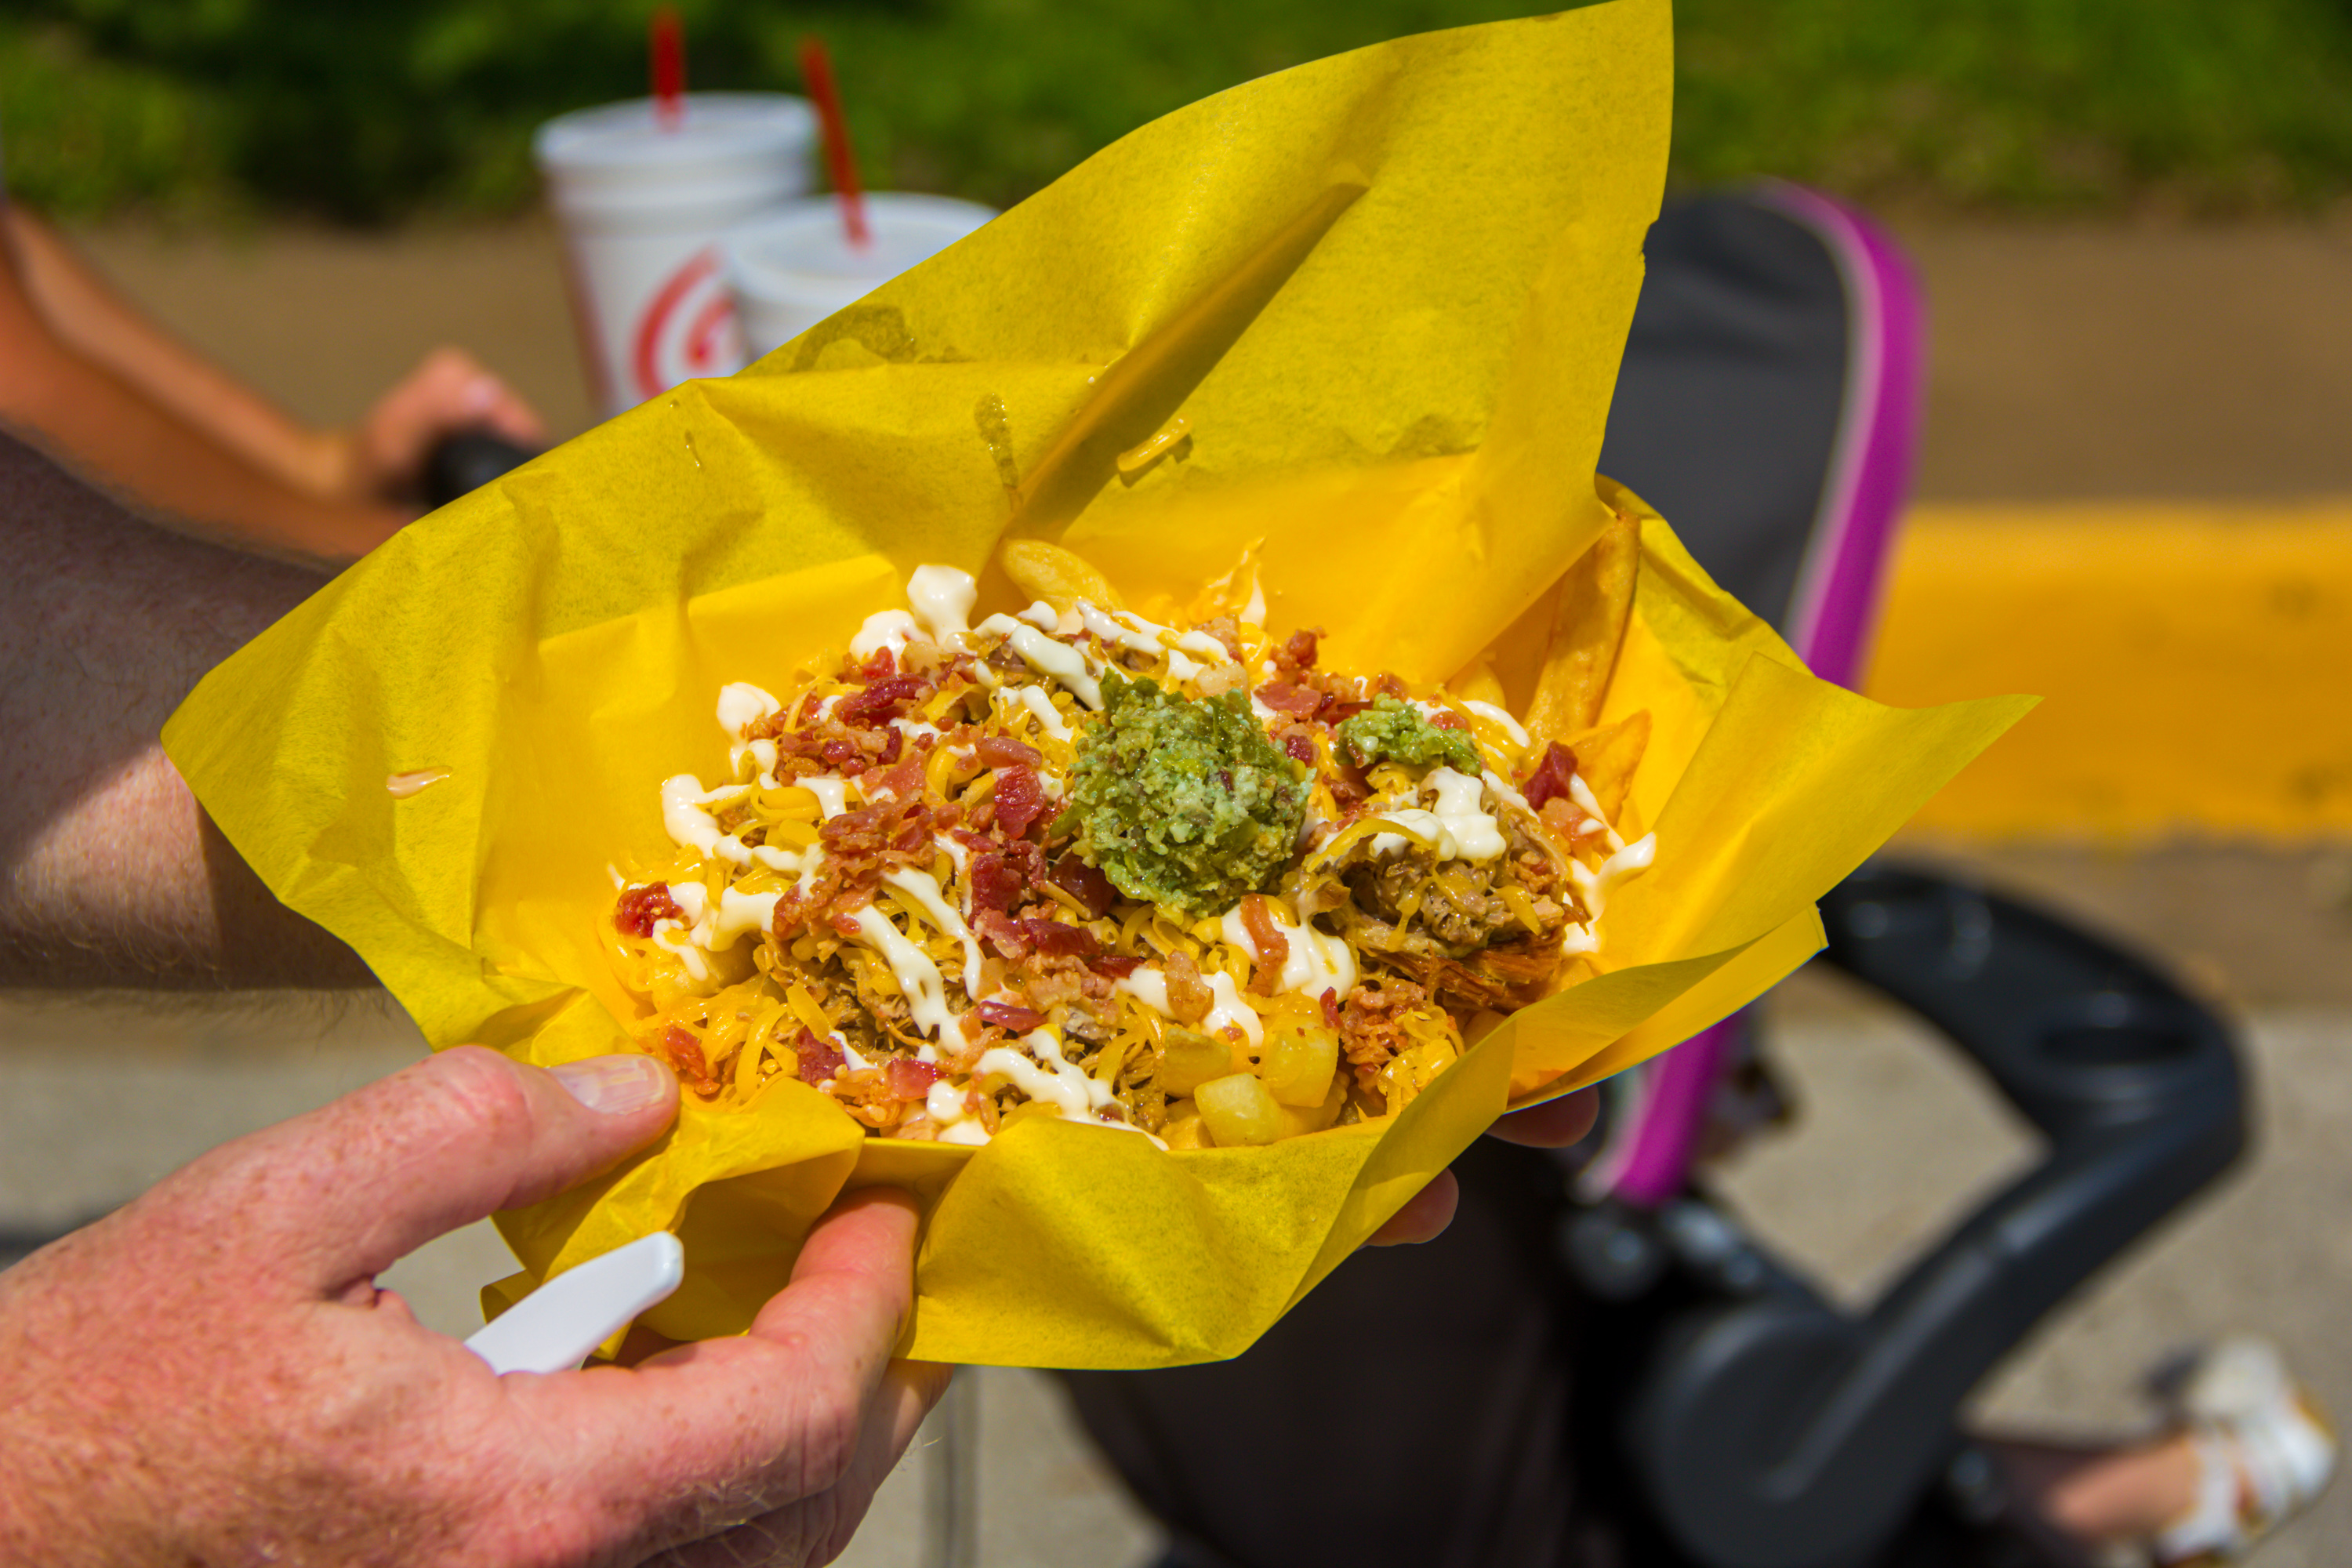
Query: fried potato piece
x=1056, y=575
x=1477, y=682
x=1596, y=600
x=1606, y=758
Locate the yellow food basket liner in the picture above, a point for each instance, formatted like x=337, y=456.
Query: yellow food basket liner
x=1387, y=292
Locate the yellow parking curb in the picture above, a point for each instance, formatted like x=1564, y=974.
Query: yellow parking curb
x=2196, y=663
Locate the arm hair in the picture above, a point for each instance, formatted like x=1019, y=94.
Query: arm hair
x=111, y=874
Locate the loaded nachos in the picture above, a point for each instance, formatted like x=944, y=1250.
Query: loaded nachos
x=1172, y=878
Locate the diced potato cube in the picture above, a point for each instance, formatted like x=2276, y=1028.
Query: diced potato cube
x=1239, y=1111
x=1298, y=1065
x=1186, y=1133
x=1189, y=1059
x=1317, y=1117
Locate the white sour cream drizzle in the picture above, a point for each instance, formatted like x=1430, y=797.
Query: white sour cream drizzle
x=1315, y=963
x=690, y=826
x=743, y=705
x=893, y=629
x=1453, y=829
x=1124, y=628
x=1593, y=883
x=943, y=597
x=1049, y=717
x=1581, y=793
x=923, y=889
x=1047, y=657
x=832, y=793
x=1488, y=711
x=1226, y=1008
x=1051, y=1079
x=917, y=977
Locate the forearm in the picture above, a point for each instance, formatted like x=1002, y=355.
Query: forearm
x=98, y=325
x=109, y=874
x=83, y=413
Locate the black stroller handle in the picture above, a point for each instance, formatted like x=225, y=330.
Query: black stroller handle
x=1783, y=1433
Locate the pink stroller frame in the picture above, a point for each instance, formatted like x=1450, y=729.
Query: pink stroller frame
x=1658, y=1110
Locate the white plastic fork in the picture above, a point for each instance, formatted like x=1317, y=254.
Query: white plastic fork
x=555, y=1327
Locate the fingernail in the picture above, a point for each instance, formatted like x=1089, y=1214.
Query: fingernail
x=616, y=1086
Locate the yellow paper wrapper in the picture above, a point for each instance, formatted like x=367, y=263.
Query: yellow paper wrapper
x=1388, y=292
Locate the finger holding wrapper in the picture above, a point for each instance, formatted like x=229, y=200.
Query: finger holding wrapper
x=1392, y=335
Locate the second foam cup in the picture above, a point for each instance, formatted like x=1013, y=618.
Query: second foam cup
x=793, y=268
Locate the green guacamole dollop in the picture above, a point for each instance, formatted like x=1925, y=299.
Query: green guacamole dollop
x=1395, y=730
x=1184, y=801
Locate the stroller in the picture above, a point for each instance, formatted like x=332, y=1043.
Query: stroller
x=1597, y=1365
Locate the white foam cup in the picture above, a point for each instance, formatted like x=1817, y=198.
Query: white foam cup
x=791, y=269
x=643, y=208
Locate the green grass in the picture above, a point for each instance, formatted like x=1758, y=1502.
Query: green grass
x=370, y=110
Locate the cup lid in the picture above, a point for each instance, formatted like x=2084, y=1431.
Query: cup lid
x=716, y=127
x=804, y=250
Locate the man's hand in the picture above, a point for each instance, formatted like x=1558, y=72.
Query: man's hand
x=1555, y=1124
x=212, y=1375
x=382, y=457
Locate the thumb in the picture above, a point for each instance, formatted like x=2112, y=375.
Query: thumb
x=349, y=1190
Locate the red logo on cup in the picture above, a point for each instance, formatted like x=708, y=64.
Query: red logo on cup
x=689, y=328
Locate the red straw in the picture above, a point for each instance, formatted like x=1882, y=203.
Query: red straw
x=816, y=70
x=668, y=47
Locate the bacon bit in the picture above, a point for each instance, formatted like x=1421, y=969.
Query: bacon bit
x=1298, y=701
x=994, y=885
x=1228, y=632
x=904, y=1079
x=1084, y=883
x=684, y=1054
x=1001, y=932
x=1057, y=940
x=1370, y=1030
x=640, y=907
x=1117, y=965
x=880, y=665
x=882, y=700
x=1331, y=1008
x=1020, y=799
x=1390, y=684
x=1004, y=752
x=903, y=782
x=1273, y=947
x=1447, y=718
x=1011, y=1016
x=891, y=748
x=1297, y=652
x=841, y=752
x=819, y=1059
x=1343, y=709
x=1188, y=996
x=1300, y=746
x=1551, y=776
x=1350, y=787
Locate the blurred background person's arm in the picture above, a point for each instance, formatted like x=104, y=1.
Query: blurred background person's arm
x=105, y=388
